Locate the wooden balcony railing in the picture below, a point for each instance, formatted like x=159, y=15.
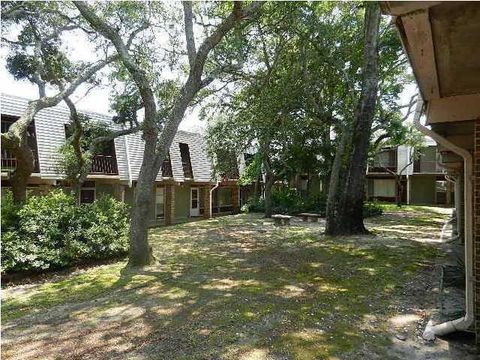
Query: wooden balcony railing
x=104, y=164
x=379, y=168
x=426, y=166
x=9, y=162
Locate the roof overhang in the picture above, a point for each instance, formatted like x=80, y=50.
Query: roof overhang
x=441, y=40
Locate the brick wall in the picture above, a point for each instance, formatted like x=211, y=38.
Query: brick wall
x=476, y=228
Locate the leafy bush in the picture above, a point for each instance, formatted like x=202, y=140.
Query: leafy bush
x=289, y=201
x=52, y=231
x=372, y=209
x=253, y=205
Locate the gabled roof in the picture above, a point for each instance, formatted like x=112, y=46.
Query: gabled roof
x=50, y=133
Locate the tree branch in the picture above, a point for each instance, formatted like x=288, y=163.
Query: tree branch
x=134, y=33
x=138, y=74
x=189, y=35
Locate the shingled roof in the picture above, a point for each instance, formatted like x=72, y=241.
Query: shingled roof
x=50, y=133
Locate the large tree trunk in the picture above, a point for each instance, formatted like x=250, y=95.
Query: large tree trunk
x=334, y=191
x=349, y=218
x=268, y=195
x=140, y=251
x=157, y=144
x=20, y=176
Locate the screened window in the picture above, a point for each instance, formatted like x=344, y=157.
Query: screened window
x=224, y=196
x=384, y=187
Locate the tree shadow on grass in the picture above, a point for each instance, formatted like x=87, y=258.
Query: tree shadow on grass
x=224, y=291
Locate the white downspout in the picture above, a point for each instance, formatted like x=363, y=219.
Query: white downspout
x=466, y=321
x=211, y=195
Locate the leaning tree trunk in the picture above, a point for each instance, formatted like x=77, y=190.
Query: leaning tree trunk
x=349, y=219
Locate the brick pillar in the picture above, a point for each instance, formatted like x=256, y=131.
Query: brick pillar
x=169, y=204
x=235, y=199
x=476, y=228
x=206, y=203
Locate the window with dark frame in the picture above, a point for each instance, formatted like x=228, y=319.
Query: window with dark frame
x=87, y=192
x=186, y=162
x=87, y=196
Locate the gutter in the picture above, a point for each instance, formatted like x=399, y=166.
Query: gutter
x=463, y=323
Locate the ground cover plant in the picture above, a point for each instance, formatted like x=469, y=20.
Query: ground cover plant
x=238, y=287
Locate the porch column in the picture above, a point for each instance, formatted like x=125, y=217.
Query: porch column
x=476, y=228
x=235, y=199
x=169, y=204
x=206, y=203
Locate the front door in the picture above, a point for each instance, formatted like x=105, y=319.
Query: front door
x=194, y=203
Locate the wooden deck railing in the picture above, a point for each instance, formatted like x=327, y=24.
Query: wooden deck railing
x=104, y=164
x=379, y=168
x=426, y=166
x=9, y=162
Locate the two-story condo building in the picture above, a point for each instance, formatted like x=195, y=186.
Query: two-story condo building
x=394, y=173
x=184, y=187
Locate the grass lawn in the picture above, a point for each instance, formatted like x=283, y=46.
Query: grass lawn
x=237, y=287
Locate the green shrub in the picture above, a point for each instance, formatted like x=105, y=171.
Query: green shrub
x=289, y=201
x=372, y=209
x=52, y=231
x=253, y=205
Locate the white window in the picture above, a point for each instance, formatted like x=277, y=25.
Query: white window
x=384, y=188
x=159, y=202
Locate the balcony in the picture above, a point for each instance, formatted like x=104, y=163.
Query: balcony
x=384, y=162
x=104, y=164
x=426, y=166
x=8, y=160
x=379, y=168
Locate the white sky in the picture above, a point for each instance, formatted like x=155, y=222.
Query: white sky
x=97, y=99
